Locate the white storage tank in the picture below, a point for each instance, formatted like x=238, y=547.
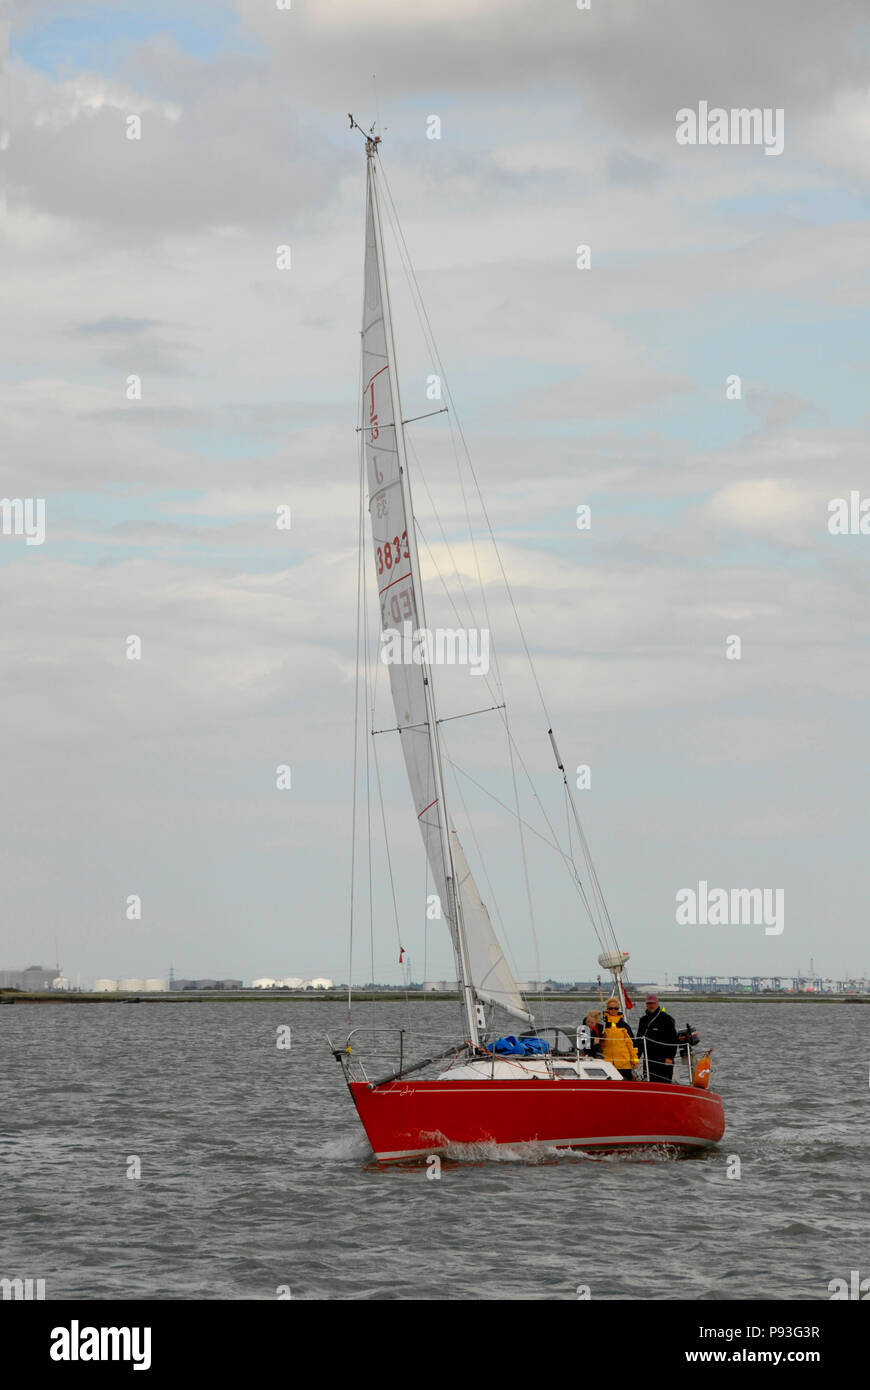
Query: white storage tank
x=61, y=982
x=106, y=987
x=266, y=983
x=156, y=986
x=320, y=983
x=293, y=981
x=133, y=986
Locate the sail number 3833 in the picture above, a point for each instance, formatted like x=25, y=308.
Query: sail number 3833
x=391, y=552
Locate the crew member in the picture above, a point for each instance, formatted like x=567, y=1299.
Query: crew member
x=660, y=1032
x=617, y=1042
x=593, y=1023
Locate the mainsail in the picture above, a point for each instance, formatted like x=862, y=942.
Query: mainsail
x=480, y=961
x=392, y=554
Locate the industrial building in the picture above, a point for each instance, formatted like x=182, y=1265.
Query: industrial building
x=131, y=985
x=204, y=984
x=768, y=984
x=292, y=982
x=35, y=977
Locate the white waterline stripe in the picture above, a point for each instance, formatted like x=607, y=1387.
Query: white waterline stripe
x=640, y=1139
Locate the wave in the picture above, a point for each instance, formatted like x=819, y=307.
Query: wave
x=345, y=1148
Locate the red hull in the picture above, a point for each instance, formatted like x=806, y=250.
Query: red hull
x=405, y=1119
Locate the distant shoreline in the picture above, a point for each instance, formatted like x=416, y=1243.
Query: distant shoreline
x=392, y=997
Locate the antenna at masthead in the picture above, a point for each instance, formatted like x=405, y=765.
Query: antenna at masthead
x=368, y=135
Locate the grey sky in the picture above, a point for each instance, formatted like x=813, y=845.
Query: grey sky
x=157, y=257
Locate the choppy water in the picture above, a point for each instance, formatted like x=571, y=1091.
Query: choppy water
x=256, y=1173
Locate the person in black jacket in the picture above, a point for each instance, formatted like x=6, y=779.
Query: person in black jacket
x=593, y=1023
x=660, y=1033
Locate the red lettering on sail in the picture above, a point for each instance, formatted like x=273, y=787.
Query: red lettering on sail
x=373, y=417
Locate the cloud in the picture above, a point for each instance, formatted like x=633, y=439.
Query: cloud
x=157, y=257
x=770, y=506
x=633, y=63
x=70, y=154
x=601, y=394
x=631, y=169
x=116, y=326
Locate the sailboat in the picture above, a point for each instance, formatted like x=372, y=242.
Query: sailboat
x=535, y=1087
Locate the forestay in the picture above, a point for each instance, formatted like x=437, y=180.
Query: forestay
x=400, y=604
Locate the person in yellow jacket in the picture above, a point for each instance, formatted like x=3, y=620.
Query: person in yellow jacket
x=617, y=1044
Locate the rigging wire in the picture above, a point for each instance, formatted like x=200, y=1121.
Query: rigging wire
x=426, y=327
x=387, y=846
x=371, y=691
x=593, y=902
x=589, y=906
x=453, y=906
x=359, y=605
x=504, y=935
x=552, y=844
x=502, y=709
x=418, y=468
x=525, y=862
x=426, y=918
x=369, y=750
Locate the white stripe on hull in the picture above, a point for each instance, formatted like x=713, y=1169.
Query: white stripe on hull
x=614, y=1140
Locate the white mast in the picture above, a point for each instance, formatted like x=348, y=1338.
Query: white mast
x=453, y=906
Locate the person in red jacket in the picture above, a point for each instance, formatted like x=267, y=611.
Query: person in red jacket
x=593, y=1023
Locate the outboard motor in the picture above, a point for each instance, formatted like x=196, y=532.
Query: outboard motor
x=686, y=1038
